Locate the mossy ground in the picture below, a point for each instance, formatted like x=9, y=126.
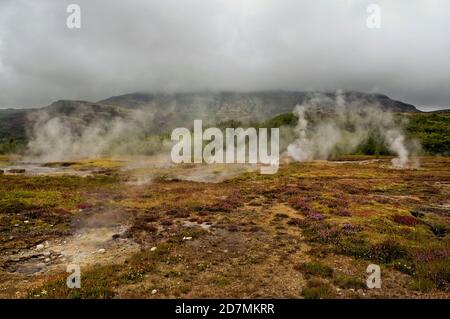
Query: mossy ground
x=308, y=231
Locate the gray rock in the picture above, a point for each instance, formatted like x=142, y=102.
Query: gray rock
x=17, y=171
x=116, y=236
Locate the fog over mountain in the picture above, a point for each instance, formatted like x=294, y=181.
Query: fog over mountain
x=223, y=45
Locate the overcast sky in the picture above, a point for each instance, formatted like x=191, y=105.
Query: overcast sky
x=183, y=45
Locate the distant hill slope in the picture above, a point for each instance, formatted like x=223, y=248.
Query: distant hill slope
x=180, y=109
x=432, y=129
x=86, y=111
x=13, y=124
x=251, y=106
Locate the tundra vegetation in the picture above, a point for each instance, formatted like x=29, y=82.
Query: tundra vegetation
x=308, y=231
x=141, y=229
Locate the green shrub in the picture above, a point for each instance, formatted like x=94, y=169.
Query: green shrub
x=423, y=285
x=349, y=282
x=315, y=269
x=405, y=266
x=318, y=289
x=437, y=271
x=387, y=251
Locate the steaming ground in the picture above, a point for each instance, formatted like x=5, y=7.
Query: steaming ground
x=351, y=125
x=87, y=193
x=96, y=240
x=227, y=232
x=328, y=125
x=140, y=170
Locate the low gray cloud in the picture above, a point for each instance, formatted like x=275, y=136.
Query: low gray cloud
x=183, y=45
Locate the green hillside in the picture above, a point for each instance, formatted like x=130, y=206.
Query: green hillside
x=431, y=129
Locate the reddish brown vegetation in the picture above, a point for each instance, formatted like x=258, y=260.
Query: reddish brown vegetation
x=300, y=203
x=343, y=212
x=405, y=220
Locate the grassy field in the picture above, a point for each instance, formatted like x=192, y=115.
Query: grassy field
x=309, y=231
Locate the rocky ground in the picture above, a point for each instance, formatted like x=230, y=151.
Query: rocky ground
x=190, y=231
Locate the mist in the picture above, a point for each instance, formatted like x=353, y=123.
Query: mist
x=57, y=137
x=191, y=45
x=348, y=127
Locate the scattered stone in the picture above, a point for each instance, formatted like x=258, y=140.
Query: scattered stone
x=31, y=269
x=17, y=171
x=47, y=260
x=40, y=247
x=61, y=256
x=153, y=249
x=46, y=254
x=116, y=236
x=187, y=238
x=417, y=214
x=101, y=250
x=16, y=225
x=225, y=251
x=26, y=221
x=154, y=291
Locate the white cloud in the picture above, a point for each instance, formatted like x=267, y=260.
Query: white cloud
x=223, y=44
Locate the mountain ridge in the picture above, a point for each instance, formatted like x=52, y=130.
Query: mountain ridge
x=159, y=114
x=171, y=110
x=282, y=101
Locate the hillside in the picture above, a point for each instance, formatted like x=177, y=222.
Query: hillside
x=166, y=111
x=12, y=129
x=431, y=129
x=247, y=107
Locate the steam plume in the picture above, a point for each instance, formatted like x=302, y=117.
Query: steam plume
x=56, y=137
x=324, y=132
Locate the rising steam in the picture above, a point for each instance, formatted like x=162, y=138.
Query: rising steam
x=322, y=133
x=57, y=137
